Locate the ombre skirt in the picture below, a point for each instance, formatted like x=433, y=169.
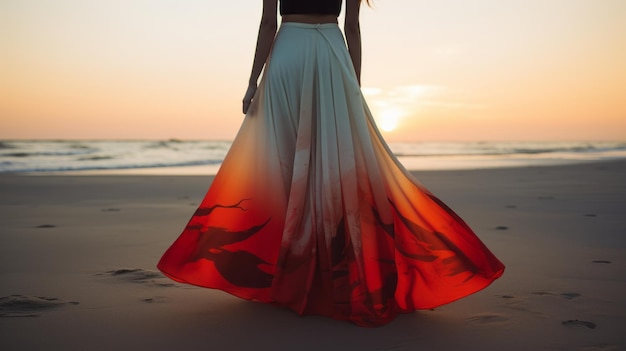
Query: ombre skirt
x=311, y=210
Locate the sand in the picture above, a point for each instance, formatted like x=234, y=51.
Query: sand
x=78, y=255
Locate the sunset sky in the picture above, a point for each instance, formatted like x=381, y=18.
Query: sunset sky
x=446, y=70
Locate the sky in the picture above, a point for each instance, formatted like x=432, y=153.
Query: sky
x=445, y=70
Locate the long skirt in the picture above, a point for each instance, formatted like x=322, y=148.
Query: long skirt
x=311, y=210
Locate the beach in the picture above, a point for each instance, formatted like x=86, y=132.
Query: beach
x=78, y=257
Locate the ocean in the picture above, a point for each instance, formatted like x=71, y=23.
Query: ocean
x=188, y=157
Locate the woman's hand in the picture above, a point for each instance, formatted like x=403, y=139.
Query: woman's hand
x=247, y=98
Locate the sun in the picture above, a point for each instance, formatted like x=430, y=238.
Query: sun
x=389, y=119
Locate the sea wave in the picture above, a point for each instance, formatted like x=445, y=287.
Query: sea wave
x=40, y=156
x=5, y=145
x=110, y=167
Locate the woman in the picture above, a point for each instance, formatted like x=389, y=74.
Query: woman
x=310, y=209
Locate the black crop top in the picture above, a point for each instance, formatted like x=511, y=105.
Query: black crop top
x=322, y=7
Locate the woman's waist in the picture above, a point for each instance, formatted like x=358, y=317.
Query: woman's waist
x=310, y=18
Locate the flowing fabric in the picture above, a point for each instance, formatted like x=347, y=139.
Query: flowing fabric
x=311, y=210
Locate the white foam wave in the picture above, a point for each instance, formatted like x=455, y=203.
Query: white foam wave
x=18, y=156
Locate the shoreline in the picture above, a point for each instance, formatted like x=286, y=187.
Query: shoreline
x=80, y=253
x=204, y=157
x=412, y=164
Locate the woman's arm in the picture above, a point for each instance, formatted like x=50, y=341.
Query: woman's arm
x=265, y=39
x=353, y=34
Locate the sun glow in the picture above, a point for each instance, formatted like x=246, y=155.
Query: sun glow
x=389, y=119
x=393, y=105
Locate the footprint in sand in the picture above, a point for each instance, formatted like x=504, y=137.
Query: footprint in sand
x=570, y=295
x=29, y=306
x=566, y=295
x=111, y=209
x=487, y=318
x=502, y=227
x=601, y=261
x=518, y=304
x=46, y=226
x=578, y=323
x=155, y=299
x=141, y=276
